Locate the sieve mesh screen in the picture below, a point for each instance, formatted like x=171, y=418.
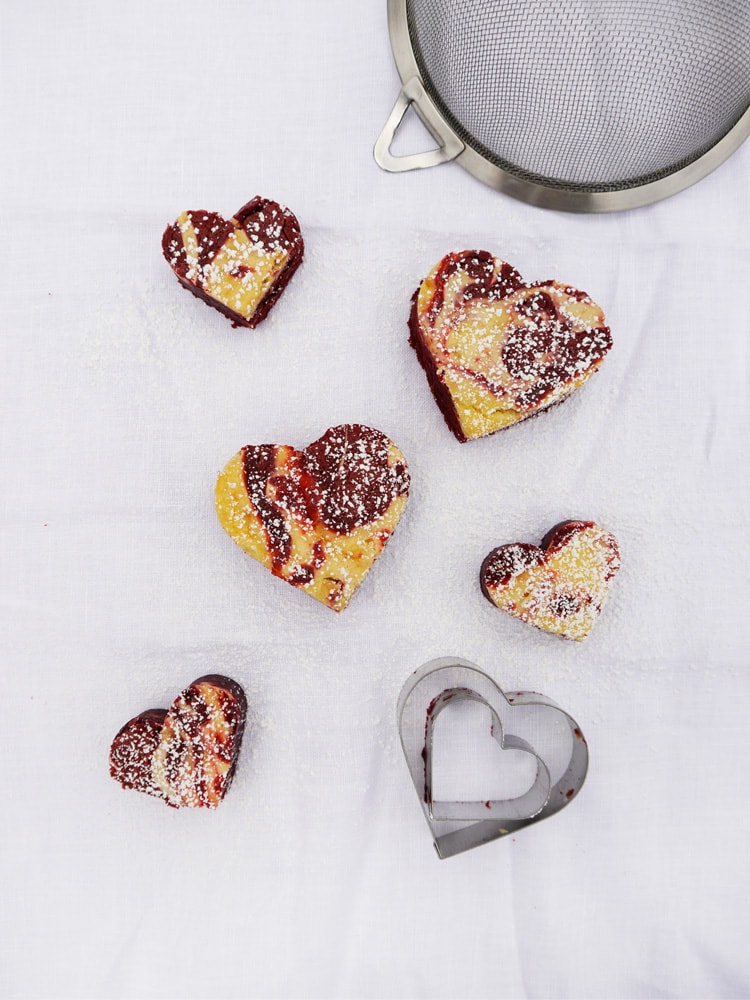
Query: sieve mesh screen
x=588, y=95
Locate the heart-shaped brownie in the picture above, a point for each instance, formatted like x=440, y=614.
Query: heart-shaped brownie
x=240, y=266
x=560, y=585
x=320, y=517
x=186, y=756
x=496, y=349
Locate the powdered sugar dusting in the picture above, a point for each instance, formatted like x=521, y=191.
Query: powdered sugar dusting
x=318, y=518
x=496, y=349
x=240, y=266
x=151, y=358
x=560, y=586
x=187, y=755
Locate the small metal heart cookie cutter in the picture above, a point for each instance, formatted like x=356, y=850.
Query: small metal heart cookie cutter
x=459, y=826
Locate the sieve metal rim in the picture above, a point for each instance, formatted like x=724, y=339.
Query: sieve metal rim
x=451, y=147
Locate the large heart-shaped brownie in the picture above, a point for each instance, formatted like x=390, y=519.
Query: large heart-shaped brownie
x=240, y=266
x=186, y=756
x=559, y=586
x=320, y=517
x=496, y=349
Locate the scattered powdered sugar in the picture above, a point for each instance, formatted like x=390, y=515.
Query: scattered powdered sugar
x=172, y=375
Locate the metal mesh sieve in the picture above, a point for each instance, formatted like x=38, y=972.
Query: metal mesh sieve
x=582, y=104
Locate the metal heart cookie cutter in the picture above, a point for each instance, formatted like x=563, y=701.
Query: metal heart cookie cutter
x=520, y=721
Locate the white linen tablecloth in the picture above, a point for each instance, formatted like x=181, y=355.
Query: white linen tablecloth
x=123, y=396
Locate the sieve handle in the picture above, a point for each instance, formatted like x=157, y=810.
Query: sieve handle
x=449, y=145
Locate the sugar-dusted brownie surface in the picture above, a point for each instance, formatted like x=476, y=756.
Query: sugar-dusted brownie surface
x=186, y=755
x=497, y=349
x=559, y=586
x=241, y=265
x=320, y=517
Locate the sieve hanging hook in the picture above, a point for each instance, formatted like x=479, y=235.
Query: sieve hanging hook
x=449, y=145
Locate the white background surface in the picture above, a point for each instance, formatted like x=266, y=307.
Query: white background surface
x=123, y=396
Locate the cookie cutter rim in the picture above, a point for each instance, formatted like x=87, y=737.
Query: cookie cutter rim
x=459, y=826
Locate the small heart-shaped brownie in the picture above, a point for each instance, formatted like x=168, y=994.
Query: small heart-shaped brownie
x=496, y=349
x=559, y=586
x=186, y=756
x=320, y=517
x=239, y=266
